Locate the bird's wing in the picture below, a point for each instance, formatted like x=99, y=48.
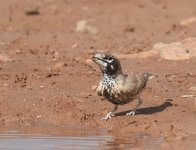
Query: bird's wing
x=131, y=85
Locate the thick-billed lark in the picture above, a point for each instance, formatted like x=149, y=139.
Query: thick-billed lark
x=116, y=87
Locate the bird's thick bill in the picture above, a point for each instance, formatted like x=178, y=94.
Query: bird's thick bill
x=98, y=56
x=98, y=59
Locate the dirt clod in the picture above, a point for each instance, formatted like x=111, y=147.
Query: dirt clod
x=32, y=10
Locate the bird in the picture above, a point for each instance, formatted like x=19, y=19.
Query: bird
x=119, y=88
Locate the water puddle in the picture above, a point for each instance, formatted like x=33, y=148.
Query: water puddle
x=59, y=139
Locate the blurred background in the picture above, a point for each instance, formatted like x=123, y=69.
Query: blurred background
x=79, y=26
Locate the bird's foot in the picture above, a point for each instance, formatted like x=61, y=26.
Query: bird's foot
x=131, y=113
x=108, y=116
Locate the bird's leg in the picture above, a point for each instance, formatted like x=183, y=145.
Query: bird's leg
x=132, y=112
x=110, y=114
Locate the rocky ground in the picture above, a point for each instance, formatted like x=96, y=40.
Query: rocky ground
x=47, y=77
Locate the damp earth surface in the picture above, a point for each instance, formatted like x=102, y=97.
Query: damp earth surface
x=48, y=81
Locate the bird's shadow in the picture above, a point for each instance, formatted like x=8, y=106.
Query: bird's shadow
x=148, y=110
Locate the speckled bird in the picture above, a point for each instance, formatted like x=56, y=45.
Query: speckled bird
x=116, y=87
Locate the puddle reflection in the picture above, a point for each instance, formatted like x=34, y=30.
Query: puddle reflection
x=59, y=139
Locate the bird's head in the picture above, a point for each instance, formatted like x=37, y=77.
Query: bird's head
x=109, y=64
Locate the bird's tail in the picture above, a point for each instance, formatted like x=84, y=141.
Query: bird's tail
x=149, y=76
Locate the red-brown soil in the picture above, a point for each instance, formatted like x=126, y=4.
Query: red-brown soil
x=50, y=79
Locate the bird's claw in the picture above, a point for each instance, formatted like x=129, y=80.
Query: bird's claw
x=108, y=116
x=130, y=113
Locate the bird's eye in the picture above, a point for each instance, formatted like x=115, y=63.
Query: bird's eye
x=110, y=58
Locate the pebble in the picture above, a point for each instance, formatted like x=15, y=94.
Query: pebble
x=192, y=88
x=4, y=58
x=188, y=22
x=33, y=10
x=39, y=116
x=85, y=27
x=182, y=50
x=56, y=56
x=42, y=86
x=188, y=96
x=60, y=64
x=179, y=137
x=18, y=52
x=75, y=45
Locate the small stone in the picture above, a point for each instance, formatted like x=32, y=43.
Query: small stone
x=18, y=52
x=75, y=45
x=173, y=51
x=60, y=64
x=48, y=74
x=56, y=56
x=188, y=96
x=188, y=22
x=179, y=137
x=90, y=72
x=4, y=58
x=33, y=10
x=181, y=50
x=2, y=43
x=29, y=87
x=192, y=88
x=42, y=86
x=43, y=98
x=23, y=85
x=129, y=29
x=85, y=27
x=39, y=116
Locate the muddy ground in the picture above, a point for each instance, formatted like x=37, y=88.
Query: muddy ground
x=46, y=76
